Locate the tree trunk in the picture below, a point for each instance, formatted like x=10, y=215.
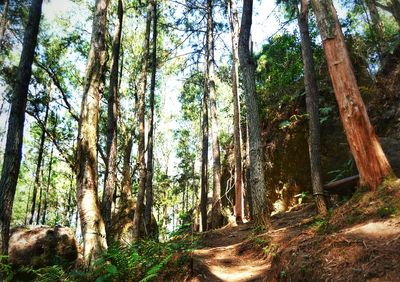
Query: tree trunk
x=92, y=224
x=247, y=174
x=150, y=139
x=69, y=211
x=216, y=212
x=312, y=110
x=257, y=178
x=13, y=149
x=112, y=119
x=3, y=24
x=39, y=208
x=27, y=207
x=126, y=191
x=234, y=26
x=377, y=25
x=46, y=195
x=39, y=161
x=204, y=154
x=139, y=211
x=364, y=145
x=395, y=7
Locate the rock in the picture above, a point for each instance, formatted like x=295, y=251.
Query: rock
x=42, y=246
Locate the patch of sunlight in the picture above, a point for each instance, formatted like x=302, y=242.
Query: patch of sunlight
x=243, y=272
x=375, y=230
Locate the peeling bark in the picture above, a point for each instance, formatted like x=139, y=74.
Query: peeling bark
x=112, y=119
x=370, y=159
x=92, y=224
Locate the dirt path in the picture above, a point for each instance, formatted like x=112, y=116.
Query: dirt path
x=223, y=258
x=294, y=250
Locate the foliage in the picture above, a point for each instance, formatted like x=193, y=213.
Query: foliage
x=5, y=269
x=144, y=260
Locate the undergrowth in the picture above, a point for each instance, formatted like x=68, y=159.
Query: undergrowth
x=141, y=261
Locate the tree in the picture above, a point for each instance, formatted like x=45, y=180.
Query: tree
x=92, y=224
x=257, y=179
x=39, y=161
x=377, y=25
x=393, y=7
x=139, y=211
x=150, y=139
x=112, y=119
x=204, y=154
x=48, y=184
x=312, y=109
x=216, y=213
x=3, y=22
x=234, y=26
x=13, y=151
x=364, y=145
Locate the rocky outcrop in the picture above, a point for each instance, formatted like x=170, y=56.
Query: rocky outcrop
x=41, y=246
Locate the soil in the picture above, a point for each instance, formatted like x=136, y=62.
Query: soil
x=303, y=247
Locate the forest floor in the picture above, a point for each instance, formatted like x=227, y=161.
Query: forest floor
x=359, y=241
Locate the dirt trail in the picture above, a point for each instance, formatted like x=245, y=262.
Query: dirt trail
x=223, y=258
x=293, y=250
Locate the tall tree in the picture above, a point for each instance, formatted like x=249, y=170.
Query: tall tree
x=216, y=211
x=150, y=139
x=234, y=27
x=39, y=161
x=112, y=119
x=92, y=224
x=48, y=184
x=13, y=150
x=139, y=211
x=377, y=25
x=312, y=109
x=204, y=154
x=370, y=159
x=261, y=212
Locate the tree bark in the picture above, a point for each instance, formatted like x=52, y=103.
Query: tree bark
x=139, y=211
x=150, y=139
x=377, y=25
x=204, y=154
x=39, y=207
x=310, y=82
x=46, y=195
x=364, y=145
x=126, y=191
x=69, y=210
x=39, y=162
x=395, y=7
x=112, y=120
x=234, y=26
x=27, y=207
x=257, y=178
x=13, y=149
x=3, y=24
x=92, y=224
x=216, y=211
